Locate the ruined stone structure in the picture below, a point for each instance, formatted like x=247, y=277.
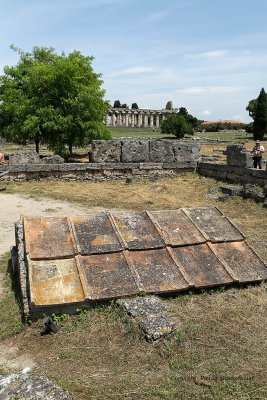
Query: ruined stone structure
x=238, y=168
x=131, y=117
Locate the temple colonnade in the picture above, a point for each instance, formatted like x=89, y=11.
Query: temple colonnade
x=126, y=117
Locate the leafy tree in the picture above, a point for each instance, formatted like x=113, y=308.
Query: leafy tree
x=176, y=125
x=135, y=106
x=251, y=108
x=52, y=99
x=260, y=121
x=189, y=118
x=117, y=104
x=183, y=111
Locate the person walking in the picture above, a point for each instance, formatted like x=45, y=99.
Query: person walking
x=257, y=153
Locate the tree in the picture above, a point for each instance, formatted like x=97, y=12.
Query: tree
x=251, y=108
x=176, y=125
x=188, y=117
x=52, y=99
x=117, y=104
x=260, y=121
x=135, y=106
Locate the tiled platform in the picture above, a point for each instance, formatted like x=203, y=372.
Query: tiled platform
x=112, y=255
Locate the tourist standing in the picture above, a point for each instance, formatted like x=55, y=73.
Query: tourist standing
x=257, y=153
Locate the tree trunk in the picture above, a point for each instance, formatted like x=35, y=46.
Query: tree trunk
x=37, y=146
x=70, y=149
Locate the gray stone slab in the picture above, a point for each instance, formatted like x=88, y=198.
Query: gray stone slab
x=161, y=151
x=135, y=151
x=24, y=386
x=24, y=157
x=106, y=150
x=152, y=316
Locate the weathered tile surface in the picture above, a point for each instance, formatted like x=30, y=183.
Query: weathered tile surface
x=176, y=228
x=54, y=282
x=48, y=238
x=202, y=265
x=246, y=265
x=95, y=234
x=107, y=276
x=156, y=271
x=214, y=224
x=120, y=254
x=137, y=230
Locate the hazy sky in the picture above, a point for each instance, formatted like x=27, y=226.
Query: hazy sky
x=206, y=55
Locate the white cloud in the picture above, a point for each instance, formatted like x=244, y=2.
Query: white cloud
x=211, y=90
x=209, y=54
x=205, y=112
x=237, y=117
x=134, y=71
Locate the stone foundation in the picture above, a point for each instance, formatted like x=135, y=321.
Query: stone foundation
x=95, y=171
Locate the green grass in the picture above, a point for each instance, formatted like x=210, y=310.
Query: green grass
x=10, y=318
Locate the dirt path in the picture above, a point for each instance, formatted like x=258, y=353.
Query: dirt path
x=12, y=206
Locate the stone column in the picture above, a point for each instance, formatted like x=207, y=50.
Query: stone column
x=151, y=120
x=133, y=118
x=106, y=119
x=145, y=120
x=127, y=119
x=119, y=119
x=113, y=118
x=157, y=120
x=163, y=117
x=139, y=119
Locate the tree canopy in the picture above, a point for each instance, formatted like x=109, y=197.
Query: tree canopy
x=135, y=106
x=52, y=99
x=260, y=119
x=176, y=125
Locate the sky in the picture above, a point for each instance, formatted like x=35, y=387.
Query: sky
x=209, y=56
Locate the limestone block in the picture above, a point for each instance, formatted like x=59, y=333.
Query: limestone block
x=161, y=151
x=55, y=159
x=106, y=151
x=24, y=157
x=186, y=151
x=237, y=156
x=133, y=151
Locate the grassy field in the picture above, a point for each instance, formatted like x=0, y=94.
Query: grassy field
x=219, y=351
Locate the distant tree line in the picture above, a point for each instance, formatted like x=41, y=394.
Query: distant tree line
x=117, y=104
x=221, y=126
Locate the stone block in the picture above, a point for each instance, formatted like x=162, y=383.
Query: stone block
x=106, y=151
x=161, y=151
x=24, y=157
x=134, y=151
x=186, y=151
x=72, y=167
x=55, y=159
x=237, y=156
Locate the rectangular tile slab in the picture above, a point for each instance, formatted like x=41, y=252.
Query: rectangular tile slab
x=244, y=262
x=201, y=265
x=54, y=282
x=48, y=238
x=137, y=230
x=106, y=276
x=177, y=228
x=95, y=234
x=156, y=271
x=214, y=224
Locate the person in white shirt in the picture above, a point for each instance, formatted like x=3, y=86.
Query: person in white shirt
x=257, y=153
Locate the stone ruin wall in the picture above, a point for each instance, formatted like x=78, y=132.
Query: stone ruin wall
x=238, y=168
x=113, y=159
